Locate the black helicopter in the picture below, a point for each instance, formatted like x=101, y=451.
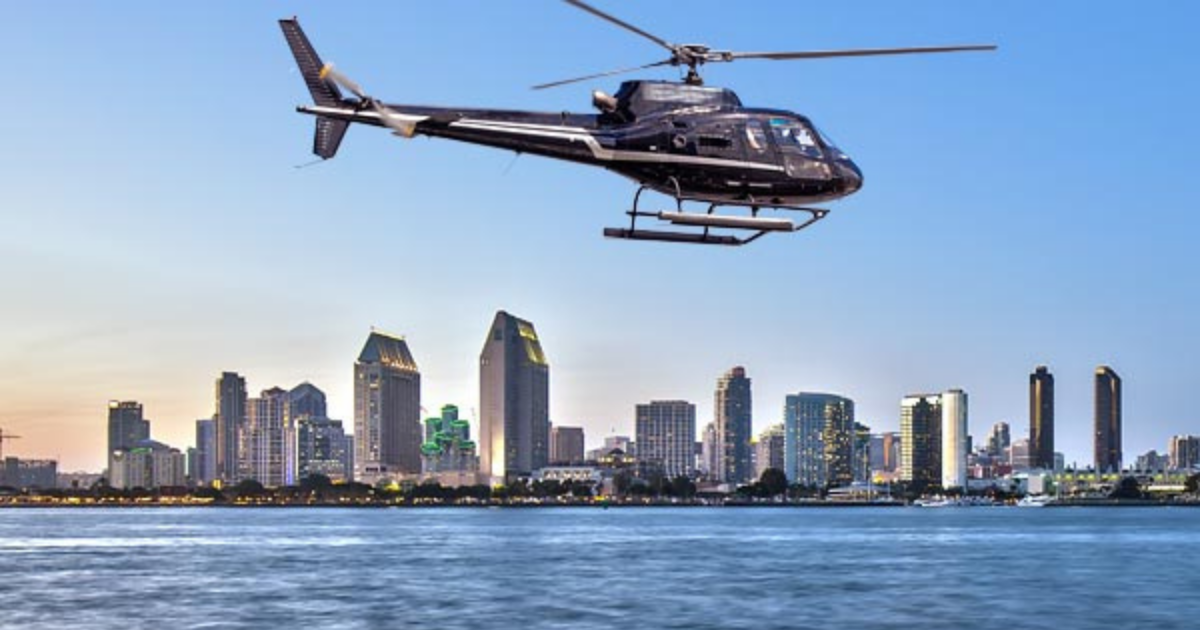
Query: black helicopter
x=685, y=140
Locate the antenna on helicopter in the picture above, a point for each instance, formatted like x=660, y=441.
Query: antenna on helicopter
x=695, y=55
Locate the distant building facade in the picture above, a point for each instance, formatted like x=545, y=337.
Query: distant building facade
x=818, y=439
x=28, y=474
x=665, y=431
x=566, y=445
x=1107, y=421
x=387, y=410
x=1041, y=418
x=733, y=423
x=514, y=397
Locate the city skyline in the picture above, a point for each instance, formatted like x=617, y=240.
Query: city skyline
x=157, y=241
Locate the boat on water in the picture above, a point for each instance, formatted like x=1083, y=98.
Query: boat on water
x=1035, y=500
x=938, y=502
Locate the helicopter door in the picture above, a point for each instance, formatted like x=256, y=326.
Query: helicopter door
x=758, y=147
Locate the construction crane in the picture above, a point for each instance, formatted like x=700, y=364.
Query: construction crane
x=6, y=436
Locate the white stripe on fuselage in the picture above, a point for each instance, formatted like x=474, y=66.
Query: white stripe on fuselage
x=579, y=134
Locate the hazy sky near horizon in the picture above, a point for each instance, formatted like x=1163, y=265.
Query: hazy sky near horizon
x=1035, y=205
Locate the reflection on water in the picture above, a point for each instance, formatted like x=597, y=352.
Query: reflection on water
x=591, y=568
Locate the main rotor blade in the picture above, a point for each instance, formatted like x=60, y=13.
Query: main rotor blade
x=601, y=74
x=625, y=25
x=859, y=52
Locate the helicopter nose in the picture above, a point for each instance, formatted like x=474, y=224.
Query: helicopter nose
x=851, y=175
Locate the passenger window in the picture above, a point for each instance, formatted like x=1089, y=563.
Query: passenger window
x=755, y=136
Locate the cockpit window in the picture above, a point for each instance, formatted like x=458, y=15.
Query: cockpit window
x=790, y=135
x=831, y=145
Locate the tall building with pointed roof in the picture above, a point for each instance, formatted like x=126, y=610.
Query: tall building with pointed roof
x=387, y=410
x=514, y=400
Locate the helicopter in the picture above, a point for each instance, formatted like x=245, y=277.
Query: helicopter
x=696, y=144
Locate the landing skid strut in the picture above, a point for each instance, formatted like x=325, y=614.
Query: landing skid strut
x=757, y=226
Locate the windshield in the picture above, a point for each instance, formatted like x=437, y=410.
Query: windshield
x=791, y=135
x=831, y=145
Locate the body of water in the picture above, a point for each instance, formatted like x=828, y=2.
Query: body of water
x=983, y=568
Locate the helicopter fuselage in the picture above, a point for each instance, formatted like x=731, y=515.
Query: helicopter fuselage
x=680, y=140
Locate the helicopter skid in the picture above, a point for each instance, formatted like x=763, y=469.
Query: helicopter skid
x=748, y=227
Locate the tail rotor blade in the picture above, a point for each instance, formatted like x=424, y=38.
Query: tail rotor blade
x=329, y=73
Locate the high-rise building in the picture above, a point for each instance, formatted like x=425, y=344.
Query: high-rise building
x=999, y=439
x=921, y=439
x=710, y=452
x=665, y=431
x=566, y=445
x=387, y=410
x=1184, y=452
x=1107, y=449
x=732, y=406
x=862, y=453
x=514, y=399
x=770, y=449
x=1019, y=455
x=126, y=426
x=229, y=418
x=307, y=399
x=1041, y=418
x=204, y=472
x=818, y=439
x=148, y=464
x=885, y=452
x=321, y=448
x=269, y=440
x=448, y=447
x=955, y=443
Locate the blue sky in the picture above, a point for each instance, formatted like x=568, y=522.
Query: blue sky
x=1034, y=205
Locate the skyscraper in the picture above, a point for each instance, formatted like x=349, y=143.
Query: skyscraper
x=126, y=426
x=733, y=421
x=514, y=400
x=999, y=439
x=307, y=399
x=566, y=445
x=770, y=449
x=954, y=439
x=1184, y=452
x=205, y=470
x=1041, y=418
x=818, y=439
x=387, y=410
x=666, y=437
x=229, y=418
x=862, y=453
x=1108, y=420
x=269, y=444
x=321, y=447
x=921, y=439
